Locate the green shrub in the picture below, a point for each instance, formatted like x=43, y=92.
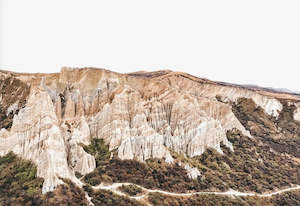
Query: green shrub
x=287, y=198
x=131, y=189
x=251, y=167
x=19, y=185
x=107, y=198
x=78, y=175
x=18, y=182
x=66, y=194
x=282, y=134
x=99, y=150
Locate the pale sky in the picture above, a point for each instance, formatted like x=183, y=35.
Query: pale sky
x=246, y=42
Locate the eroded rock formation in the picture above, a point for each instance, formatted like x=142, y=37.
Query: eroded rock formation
x=297, y=112
x=141, y=115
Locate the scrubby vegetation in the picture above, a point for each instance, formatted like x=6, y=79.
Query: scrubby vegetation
x=101, y=152
x=78, y=175
x=19, y=185
x=157, y=199
x=11, y=91
x=285, y=199
x=154, y=174
x=18, y=182
x=66, y=194
x=107, y=198
x=282, y=134
x=290, y=139
x=256, y=164
x=251, y=167
x=131, y=190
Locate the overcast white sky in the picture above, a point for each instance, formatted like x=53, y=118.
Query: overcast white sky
x=248, y=42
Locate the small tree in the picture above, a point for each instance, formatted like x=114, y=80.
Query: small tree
x=99, y=150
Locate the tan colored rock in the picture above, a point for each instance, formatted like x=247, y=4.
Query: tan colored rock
x=58, y=108
x=192, y=172
x=80, y=161
x=36, y=135
x=142, y=115
x=79, y=106
x=69, y=111
x=297, y=112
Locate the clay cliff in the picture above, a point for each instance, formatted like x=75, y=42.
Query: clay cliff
x=46, y=118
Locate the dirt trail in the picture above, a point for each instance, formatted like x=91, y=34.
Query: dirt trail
x=114, y=188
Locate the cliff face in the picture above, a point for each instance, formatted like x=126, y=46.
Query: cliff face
x=141, y=115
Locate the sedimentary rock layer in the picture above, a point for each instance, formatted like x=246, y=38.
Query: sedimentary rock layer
x=141, y=115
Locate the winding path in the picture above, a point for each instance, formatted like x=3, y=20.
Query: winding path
x=114, y=188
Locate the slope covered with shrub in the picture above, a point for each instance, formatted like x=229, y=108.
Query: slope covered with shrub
x=66, y=194
x=101, y=152
x=252, y=166
x=131, y=190
x=259, y=164
x=107, y=198
x=18, y=182
x=281, y=134
x=19, y=185
x=154, y=173
x=284, y=199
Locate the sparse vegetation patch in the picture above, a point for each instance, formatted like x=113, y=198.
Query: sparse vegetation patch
x=131, y=190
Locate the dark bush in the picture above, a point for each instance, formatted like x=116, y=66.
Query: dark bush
x=131, y=190
x=107, y=198
x=18, y=182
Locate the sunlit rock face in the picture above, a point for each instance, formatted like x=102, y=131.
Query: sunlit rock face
x=192, y=172
x=297, y=112
x=36, y=135
x=227, y=92
x=141, y=115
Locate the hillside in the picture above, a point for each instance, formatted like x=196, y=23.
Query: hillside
x=165, y=131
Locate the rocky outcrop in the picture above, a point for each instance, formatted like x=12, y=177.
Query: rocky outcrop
x=141, y=115
x=192, y=172
x=144, y=129
x=297, y=112
x=226, y=92
x=13, y=95
x=37, y=135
